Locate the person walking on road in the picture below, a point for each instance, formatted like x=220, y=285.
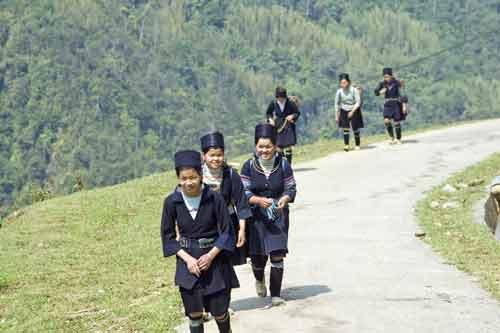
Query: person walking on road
x=394, y=108
x=270, y=187
x=348, y=111
x=283, y=113
x=204, y=273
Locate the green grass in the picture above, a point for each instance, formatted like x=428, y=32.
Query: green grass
x=92, y=261
x=452, y=233
x=89, y=261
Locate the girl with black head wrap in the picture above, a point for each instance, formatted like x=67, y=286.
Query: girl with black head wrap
x=270, y=187
x=394, y=106
x=204, y=273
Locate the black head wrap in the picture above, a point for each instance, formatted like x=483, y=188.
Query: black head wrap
x=266, y=131
x=212, y=140
x=188, y=159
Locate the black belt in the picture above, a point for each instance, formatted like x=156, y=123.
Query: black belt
x=202, y=243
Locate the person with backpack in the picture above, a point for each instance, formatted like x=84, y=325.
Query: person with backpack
x=222, y=178
x=348, y=111
x=395, y=106
x=270, y=187
x=204, y=273
x=283, y=113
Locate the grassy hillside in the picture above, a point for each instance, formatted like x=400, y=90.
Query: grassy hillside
x=105, y=91
x=453, y=233
x=90, y=261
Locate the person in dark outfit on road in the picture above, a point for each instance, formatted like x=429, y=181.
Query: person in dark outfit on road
x=204, y=272
x=394, y=109
x=270, y=186
x=282, y=113
x=348, y=111
x=224, y=179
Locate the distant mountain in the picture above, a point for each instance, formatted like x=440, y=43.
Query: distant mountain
x=100, y=92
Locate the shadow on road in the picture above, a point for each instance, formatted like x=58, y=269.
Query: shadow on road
x=303, y=292
x=410, y=141
x=304, y=169
x=290, y=294
x=368, y=147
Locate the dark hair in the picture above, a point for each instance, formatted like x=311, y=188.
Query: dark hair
x=344, y=76
x=207, y=149
x=280, y=92
x=198, y=170
x=272, y=138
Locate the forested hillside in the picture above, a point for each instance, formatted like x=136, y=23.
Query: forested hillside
x=106, y=90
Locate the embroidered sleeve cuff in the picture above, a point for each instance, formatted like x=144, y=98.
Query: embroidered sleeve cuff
x=244, y=214
x=291, y=194
x=225, y=242
x=170, y=248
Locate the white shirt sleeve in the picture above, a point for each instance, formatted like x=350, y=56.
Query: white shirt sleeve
x=357, y=99
x=337, y=101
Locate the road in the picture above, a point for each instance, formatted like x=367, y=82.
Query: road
x=355, y=264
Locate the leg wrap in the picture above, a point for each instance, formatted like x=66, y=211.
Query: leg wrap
x=224, y=324
x=397, y=126
x=357, y=137
x=390, y=130
x=258, y=266
x=346, y=136
x=196, y=325
x=277, y=268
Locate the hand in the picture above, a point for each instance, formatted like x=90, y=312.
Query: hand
x=405, y=108
x=272, y=122
x=192, y=265
x=241, y=238
x=283, y=201
x=337, y=119
x=205, y=261
x=350, y=114
x=290, y=118
x=265, y=202
x=382, y=91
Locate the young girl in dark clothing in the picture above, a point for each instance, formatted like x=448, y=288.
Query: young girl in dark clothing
x=270, y=186
x=204, y=272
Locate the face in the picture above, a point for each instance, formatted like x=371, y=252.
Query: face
x=190, y=182
x=387, y=77
x=265, y=149
x=344, y=84
x=281, y=99
x=214, y=158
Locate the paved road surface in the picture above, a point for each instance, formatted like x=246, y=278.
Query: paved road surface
x=354, y=263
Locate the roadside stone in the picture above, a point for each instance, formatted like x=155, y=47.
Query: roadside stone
x=449, y=189
x=420, y=234
x=451, y=205
x=16, y=214
x=476, y=182
x=492, y=211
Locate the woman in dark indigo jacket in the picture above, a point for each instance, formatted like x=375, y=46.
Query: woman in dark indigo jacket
x=222, y=178
x=270, y=187
x=204, y=272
